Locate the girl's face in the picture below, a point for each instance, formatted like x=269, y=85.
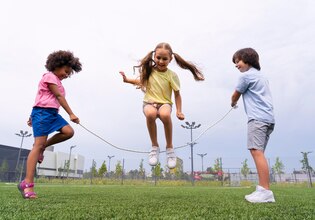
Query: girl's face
x=162, y=58
x=241, y=66
x=63, y=72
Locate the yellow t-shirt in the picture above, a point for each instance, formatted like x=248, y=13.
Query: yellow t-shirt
x=160, y=86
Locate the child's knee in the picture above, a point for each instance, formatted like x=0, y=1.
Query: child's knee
x=68, y=131
x=165, y=117
x=151, y=116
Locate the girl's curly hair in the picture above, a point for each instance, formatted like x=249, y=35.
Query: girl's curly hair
x=63, y=58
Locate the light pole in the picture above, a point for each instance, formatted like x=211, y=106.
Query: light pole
x=191, y=127
x=202, y=155
x=70, y=159
x=22, y=168
x=307, y=167
x=109, y=157
x=22, y=134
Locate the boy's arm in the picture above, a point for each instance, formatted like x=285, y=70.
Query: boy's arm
x=63, y=102
x=178, y=103
x=235, y=97
x=131, y=81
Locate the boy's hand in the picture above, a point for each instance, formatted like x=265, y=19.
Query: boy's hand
x=180, y=116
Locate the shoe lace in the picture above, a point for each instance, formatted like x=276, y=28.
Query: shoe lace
x=153, y=153
x=171, y=155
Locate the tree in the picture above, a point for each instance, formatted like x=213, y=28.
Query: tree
x=141, y=170
x=217, y=165
x=4, y=169
x=305, y=165
x=210, y=169
x=102, y=170
x=93, y=169
x=118, y=169
x=278, y=167
x=157, y=170
x=133, y=174
x=245, y=169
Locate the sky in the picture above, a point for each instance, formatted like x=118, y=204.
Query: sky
x=112, y=36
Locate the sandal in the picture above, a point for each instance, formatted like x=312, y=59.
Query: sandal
x=26, y=195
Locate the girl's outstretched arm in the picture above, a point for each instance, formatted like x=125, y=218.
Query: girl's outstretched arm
x=178, y=103
x=63, y=102
x=131, y=81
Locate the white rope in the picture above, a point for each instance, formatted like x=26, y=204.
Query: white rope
x=138, y=151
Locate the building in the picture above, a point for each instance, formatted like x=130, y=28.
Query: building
x=55, y=164
x=12, y=164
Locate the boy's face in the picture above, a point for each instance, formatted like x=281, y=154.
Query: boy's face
x=241, y=66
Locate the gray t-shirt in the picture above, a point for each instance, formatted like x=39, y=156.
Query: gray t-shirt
x=257, y=98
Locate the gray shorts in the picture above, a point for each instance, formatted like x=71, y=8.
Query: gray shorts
x=258, y=134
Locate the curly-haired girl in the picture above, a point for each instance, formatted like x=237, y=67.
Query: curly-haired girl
x=45, y=118
x=159, y=82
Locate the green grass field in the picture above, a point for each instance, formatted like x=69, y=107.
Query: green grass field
x=57, y=201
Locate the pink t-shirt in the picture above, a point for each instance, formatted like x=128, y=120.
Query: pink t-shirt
x=45, y=98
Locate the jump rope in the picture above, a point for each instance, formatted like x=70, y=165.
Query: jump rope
x=178, y=147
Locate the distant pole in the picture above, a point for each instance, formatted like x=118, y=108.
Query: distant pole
x=191, y=127
x=202, y=155
x=92, y=171
x=271, y=179
x=22, y=169
x=70, y=160
x=122, y=173
x=22, y=134
x=221, y=169
x=308, y=167
x=109, y=158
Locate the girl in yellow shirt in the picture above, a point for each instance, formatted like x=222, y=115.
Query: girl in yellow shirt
x=158, y=82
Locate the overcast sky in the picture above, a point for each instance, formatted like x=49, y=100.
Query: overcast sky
x=109, y=36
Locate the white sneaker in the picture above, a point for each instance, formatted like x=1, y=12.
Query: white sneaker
x=261, y=195
x=154, y=156
x=171, y=158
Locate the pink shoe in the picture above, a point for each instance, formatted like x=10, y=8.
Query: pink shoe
x=40, y=157
x=26, y=195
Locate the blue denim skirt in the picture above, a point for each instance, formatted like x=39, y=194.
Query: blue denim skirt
x=46, y=121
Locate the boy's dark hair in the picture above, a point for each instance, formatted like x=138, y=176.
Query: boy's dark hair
x=248, y=56
x=63, y=58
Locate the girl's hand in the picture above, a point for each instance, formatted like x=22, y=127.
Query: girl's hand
x=201, y=78
x=180, y=116
x=29, y=122
x=74, y=118
x=123, y=75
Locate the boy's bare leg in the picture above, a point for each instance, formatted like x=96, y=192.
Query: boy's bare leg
x=262, y=167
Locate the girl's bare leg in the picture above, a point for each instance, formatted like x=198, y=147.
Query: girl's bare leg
x=65, y=133
x=32, y=160
x=150, y=113
x=165, y=116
